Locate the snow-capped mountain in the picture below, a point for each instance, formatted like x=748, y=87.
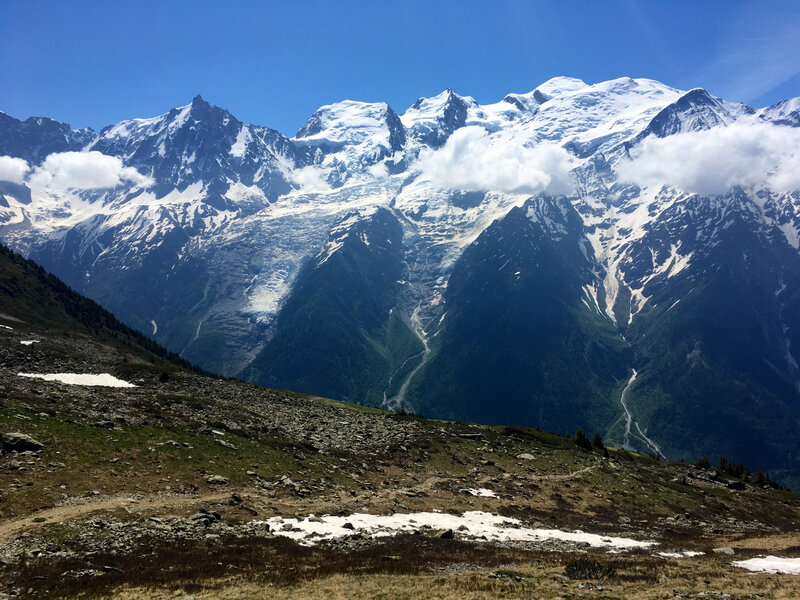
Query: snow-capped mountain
x=523, y=261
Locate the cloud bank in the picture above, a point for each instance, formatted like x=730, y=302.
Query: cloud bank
x=750, y=155
x=13, y=169
x=474, y=160
x=85, y=171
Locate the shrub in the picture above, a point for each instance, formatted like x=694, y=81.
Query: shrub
x=597, y=441
x=703, y=463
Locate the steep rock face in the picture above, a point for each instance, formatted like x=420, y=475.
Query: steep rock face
x=522, y=340
x=342, y=263
x=352, y=140
x=431, y=121
x=715, y=336
x=200, y=142
x=36, y=137
x=696, y=110
x=785, y=112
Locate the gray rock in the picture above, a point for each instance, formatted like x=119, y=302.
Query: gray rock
x=724, y=550
x=225, y=444
x=216, y=480
x=447, y=534
x=206, y=517
x=19, y=442
x=525, y=456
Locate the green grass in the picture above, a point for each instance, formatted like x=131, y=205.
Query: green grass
x=143, y=462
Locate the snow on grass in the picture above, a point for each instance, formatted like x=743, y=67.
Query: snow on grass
x=480, y=492
x=770, y=564
x=28, y=342
x=103, y=379
x=472, y=525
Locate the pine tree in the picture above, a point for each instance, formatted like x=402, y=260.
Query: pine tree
x=582, y=440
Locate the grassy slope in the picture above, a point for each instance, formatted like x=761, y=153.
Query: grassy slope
x=31, y=294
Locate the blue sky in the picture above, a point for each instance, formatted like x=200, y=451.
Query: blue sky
x=274, y=63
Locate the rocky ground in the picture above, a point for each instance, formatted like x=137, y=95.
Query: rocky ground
x=168, y=489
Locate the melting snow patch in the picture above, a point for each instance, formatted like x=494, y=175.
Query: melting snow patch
x=28, y=342
x=472, y=524
x=770, y=564
x=481, y=492
x=682, y=554
x=103, y=379
x=7, y=327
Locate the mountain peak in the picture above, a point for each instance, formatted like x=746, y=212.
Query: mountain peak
x=349, y=119
x=559, y=85
x=200, y=106
x=439, y=102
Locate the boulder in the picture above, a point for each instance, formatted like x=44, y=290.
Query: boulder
x=19, y=442
x=447, y=534
x=216, y=480
x=206, y=517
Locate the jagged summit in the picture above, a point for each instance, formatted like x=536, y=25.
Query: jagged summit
x=431, y=121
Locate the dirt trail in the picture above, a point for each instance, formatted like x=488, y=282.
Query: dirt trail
x=9, y=529
x=563, y=476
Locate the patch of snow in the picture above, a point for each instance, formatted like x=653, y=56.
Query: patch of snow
x=770, y=564
x=103, y=379
x=681, y=554
x=155, y=326
x=472, y=525
x=481, y=492
x=28, y=342
x=792, y=234
x=239, y=147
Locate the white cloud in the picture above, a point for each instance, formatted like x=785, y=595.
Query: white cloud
x=378, y=170
x=13, y=169
x=472, y=159
x=750, y=155
x=85, y=171
x=310, y=179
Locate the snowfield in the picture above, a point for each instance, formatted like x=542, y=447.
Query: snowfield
x=472, y=525
x=770, y=564
x=103, y=379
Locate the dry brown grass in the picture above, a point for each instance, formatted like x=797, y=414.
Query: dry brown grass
x=688, y=578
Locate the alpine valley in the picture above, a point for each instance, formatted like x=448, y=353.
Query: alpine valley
x=620, y=257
